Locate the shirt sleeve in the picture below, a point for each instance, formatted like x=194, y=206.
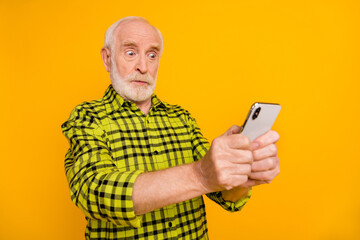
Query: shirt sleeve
x=200, y=147
x=97, y=186
x=229, y=205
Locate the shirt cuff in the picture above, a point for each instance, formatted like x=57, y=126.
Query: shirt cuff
x=229, y=205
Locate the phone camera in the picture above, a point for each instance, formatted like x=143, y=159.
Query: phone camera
x=256, y=113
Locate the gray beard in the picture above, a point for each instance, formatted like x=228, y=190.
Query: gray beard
x=128, y=90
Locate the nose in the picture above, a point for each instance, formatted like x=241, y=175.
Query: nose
x=141, y=65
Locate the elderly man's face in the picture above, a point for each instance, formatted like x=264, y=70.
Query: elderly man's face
x=135, y=60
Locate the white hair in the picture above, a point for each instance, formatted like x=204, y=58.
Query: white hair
x=109, y=34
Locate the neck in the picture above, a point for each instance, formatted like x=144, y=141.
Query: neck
x=144, y=106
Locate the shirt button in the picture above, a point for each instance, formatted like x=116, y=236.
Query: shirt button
x=156, y=152
x=170, y=224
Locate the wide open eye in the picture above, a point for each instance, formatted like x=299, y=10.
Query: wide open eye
x=152, y=55
x=130, y=53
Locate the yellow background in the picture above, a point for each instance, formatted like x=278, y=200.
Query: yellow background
x=220, y=57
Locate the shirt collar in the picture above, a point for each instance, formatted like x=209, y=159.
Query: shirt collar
x=113, y=101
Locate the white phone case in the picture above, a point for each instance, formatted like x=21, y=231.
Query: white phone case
x=260, y=119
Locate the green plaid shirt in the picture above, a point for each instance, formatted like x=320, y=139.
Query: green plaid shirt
x=111, y=143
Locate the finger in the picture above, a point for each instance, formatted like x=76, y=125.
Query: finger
x=239, y=180
x=251, y=183
x=266, y=139
x=232, y=130
x=234, y=181
x=235, y=156
x=238, y=141
x=265, y=175
x=241, y=169
x=265, y=164
x=265, y=152
x=239, y=156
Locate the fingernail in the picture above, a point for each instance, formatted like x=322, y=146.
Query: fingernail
x=254, y=145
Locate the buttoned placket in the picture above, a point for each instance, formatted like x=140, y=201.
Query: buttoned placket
x=169, y=211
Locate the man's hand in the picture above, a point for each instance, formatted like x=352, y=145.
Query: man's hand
x=227, y=164
x=265, y=166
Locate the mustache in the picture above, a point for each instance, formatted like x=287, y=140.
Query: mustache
x=139, y=77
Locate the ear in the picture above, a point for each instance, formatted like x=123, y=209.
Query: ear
x=106, y=57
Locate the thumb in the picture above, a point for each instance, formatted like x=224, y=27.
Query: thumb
x=232, y=130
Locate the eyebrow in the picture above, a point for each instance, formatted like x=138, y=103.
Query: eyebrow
x=155, y=47
x=132, y=43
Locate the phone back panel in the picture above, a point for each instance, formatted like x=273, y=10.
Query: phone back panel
x=263, y=121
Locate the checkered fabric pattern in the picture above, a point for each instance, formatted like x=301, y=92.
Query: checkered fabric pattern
x=111, y=143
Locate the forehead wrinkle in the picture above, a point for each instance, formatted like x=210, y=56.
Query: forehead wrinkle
x=155, y=47
x=130, y=43
x=126, y=29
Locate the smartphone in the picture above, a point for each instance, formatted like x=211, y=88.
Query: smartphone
x=260, y=119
